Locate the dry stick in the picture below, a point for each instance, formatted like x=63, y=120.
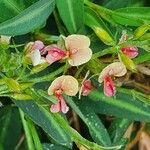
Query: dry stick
x=20, y=142
x=136, y=139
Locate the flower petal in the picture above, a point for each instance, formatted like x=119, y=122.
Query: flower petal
x=38, y=45
x=55, y=107
x=76, y=42
x=117, y=69
x=80, y=57
x=55, y=85
x=70, y=85
x=109, y=87
x=5, y=39
x=35, y=57
x=54, y=54
x=63, y=105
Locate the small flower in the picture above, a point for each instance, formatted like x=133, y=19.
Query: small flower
x=77, y=50
x=130, y=51
x=33, y=50
x=116, y=69
x=87, y=87
x=65, y=84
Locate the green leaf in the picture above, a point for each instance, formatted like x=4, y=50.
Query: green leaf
x=29, y=19
x=47, y=146
x=132, y=16
x=45, y=120
x=71, y=12
x=10, y=127
x=93, y=20
x=96, y=128
x=11, y=8
x=118, y=128
x=124, y=106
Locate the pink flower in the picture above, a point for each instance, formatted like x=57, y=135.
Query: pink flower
x=65, y=84
x=33, y=50
x=130, y=51
x=116, y=69
x=77, y=50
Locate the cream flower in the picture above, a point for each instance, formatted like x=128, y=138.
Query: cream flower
x=65, y=84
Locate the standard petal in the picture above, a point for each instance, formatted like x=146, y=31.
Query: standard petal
x=55, y=85
x=116, y=69
x=70, y=85
x=109, y=87
x=75, y=42
x=35, y=57
x=38, y=45
x=80, y=57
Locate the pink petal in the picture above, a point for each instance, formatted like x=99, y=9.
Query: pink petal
x=75, y=41
x=109, y=87
x=87, y=87
x=130, y=51
x=38, y=45
x=64, y=107
x=55, y=107
x=80, y=57
x=54, y=54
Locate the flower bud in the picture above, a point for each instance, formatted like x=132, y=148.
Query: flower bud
x=127, y=62
x=130, y=51
x=103, y=35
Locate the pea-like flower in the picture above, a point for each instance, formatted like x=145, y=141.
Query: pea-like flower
x=77, y=50
x=64, y=84
x=33, y=50
x=116, y=69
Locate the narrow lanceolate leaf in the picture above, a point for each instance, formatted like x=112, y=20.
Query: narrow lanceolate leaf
x=118, y=128
x=124, y=106
x=29, y=19
x=11, y=8
x=45, y=120
x=93, y=20
x=47, y=146
x=96, y=128
x=71, y=12
x=132, y=16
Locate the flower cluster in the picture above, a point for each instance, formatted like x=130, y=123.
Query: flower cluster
x=75, y=50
